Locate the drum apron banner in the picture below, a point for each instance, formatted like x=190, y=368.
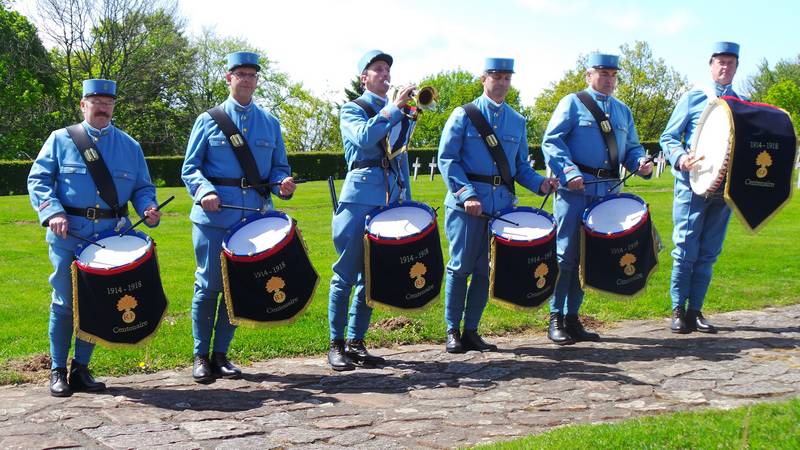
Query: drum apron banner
x=523, y=262
x=403, y=256
x=618, y=245
x=118, y=299
x=750, y=149
x=267, y=276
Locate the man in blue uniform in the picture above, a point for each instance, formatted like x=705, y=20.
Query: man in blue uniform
x=699, y=222
x=476, y=187
x=372, y=180
x=214, y=177
x=576, y=151
x=64, y=194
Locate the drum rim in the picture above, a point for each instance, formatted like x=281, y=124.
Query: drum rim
x=252, y=218
x=401, y=240
x=645, y=216
x=525, y=242
x=723, y=171
x=116, y=269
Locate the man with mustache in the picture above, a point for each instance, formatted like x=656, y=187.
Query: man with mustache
x=372, y=180
x=575, y=148
x=699, y=222
x=72, y=204
x=475, y=185
x=214, y=175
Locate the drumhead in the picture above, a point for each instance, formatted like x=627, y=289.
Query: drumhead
x=615, y=215
x=400, y=222
x=712, y=141
x=258, y=235
x=118, y=251
x=532, y=226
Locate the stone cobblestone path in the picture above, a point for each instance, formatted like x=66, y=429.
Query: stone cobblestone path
x=424, y=397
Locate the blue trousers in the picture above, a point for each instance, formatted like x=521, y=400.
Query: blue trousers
x=469, y=258
x=699, y=227
x=209, y=313
x=568, y=210
x=61, y=326
x=348, y=272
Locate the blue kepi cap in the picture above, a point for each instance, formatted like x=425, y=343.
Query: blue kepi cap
x=238, y=59
x=99, y=87
x=498, y=65
x=603, y=61
x=725, y=48
x=372, y=56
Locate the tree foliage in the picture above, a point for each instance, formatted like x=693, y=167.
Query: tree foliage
x=29, y=87
x=779, y=86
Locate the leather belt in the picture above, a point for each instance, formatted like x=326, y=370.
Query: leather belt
x=97, y=213
x=494, y=180
x=598, y=173
x=238, y=182
x=383, y=163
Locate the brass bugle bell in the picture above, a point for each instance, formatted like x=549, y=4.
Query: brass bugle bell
x=424, y=98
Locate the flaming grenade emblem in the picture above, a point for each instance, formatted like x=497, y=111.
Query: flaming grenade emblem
x=417, y=271
x=127, y=303
x=626, y=262
x=540, y=273
x=275, y=284
x=763, y=160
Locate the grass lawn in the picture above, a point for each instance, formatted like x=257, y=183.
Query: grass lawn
x=754, y=271
x=766, y=425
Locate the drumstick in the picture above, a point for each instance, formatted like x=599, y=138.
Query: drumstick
x=278, y=183
x=633, y=172
x=602, y=180
x=171, y=198
x=693, y=161
x=489, y=216
x=545, y=198
x=80, y=238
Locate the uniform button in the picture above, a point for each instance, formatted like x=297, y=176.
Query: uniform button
x=363, y=178
x=244, y=191
x=605, y=162
x=244, y=129
x=495, y=127
x=98, y=192
x=97, y=205
x=96, y=221
x=496, y=114
x=494, y=188
x=243, y=219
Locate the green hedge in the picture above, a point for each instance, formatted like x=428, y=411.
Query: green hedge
x=166, y=170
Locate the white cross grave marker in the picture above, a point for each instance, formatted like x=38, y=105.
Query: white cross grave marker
x=433, y=166
x=416, y=167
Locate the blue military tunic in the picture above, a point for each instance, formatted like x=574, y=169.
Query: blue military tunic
x=463, y=151
x=573, y=137
x=363, y=190
x=59, y=178
x=210, y=155
x=699, y=222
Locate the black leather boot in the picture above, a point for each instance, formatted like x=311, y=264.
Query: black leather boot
x=337, y=358
x=696, y=322
x=221, y=366
x=679, y=321
x=471, y=340
x=453, y=343
x=80, y=380
x=59, y=387
x=201, y=370
x=575, y=329
x=556, y=332
x=357, y=352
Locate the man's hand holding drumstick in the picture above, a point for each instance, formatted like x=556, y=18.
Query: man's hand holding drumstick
x=688, y=161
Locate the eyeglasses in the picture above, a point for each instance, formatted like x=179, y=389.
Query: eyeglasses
x=245, y=75
x=101, y=102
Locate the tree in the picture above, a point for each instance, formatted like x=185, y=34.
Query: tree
x=786, y=94
x=545, y=103
x=29, y=88
x=779, y=86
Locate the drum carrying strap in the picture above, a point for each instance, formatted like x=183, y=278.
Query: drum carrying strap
x=492, y=143
x=382, y=143
x=605, y=126
x=95, y=164
x=240, y=149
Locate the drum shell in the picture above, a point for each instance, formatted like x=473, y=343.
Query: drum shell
x=405, y=273
x=523, y=273
x=121, y=306
x=270, y=287
x=618, y=263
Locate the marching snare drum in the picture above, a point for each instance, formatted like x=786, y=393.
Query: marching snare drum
x=523, y=264
x=745, y=151
x=117, y=291
x=403, y=256
x=618, y=246
x=267, y=276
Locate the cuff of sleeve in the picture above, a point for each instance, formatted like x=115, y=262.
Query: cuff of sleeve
x=571, y=175
x=465, y=193
x=203, y=190
x=51, y=210
x=675, y=155
x=393, y=113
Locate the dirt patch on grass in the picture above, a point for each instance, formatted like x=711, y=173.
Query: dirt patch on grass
x=29, y=369
x=393, y=323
